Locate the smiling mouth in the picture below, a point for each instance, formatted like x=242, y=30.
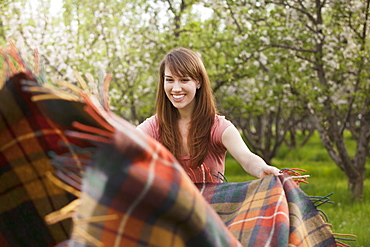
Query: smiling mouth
x=178, y=97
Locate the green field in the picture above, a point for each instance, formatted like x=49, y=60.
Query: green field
x=346, y=216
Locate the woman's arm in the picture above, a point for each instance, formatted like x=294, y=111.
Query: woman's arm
x=251, y=163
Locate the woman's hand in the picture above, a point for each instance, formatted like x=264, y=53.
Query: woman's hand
x=267, y=170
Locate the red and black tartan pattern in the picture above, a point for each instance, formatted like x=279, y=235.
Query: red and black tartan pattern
x=26, y=194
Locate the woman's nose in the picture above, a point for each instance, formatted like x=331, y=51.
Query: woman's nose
x=176, y=86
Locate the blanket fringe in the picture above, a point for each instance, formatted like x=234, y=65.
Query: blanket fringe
x=62, y=185
x=63, y=213
x=341, y=238
x=81, y=235
x=295, y=175
x=318, y=201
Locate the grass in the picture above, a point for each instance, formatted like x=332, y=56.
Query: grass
x=346, y=215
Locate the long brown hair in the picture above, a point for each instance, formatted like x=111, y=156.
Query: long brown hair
x=184, y=62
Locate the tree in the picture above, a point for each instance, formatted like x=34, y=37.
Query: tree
x=331, y=51
x=96, y=37
x=310, y=56
x=250, y=87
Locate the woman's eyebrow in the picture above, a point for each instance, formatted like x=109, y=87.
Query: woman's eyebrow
x=181, y=77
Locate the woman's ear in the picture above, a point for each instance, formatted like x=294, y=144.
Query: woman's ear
x=198, y=84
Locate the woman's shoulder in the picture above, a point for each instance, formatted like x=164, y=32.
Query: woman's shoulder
x=220, y=119
x=218, y=128
x=152, y=118
x=221, y=123
x=149, y=123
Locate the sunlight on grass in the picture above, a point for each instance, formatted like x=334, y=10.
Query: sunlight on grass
x=346, y=216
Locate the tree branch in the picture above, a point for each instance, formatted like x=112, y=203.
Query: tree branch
x=240, y=30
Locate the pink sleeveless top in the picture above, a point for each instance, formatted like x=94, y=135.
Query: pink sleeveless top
x=213, y=167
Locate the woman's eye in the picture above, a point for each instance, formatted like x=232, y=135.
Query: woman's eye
x=171, y=80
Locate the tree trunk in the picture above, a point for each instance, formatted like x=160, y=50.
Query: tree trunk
x=335, y=145
x=356, y=185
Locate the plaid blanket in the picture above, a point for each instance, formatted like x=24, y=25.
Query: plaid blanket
x=132, y=190
x=136, y=194
x=26, y=195
x=28, y=141
x=139, y=196
x=272, y=211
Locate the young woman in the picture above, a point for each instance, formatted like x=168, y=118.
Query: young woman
x=186, y=122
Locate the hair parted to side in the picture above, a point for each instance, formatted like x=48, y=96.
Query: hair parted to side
x=184, y=62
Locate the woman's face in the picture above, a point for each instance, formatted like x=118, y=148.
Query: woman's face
x=180, y=91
